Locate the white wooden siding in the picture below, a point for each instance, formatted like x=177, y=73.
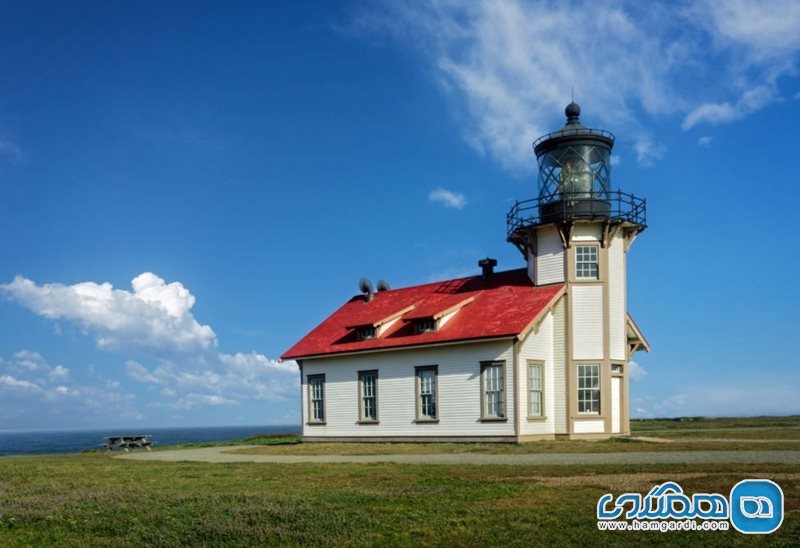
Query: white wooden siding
x=538, y=346
x=589, y=427
x=583, y=232
x=549, y=267
x=559, y=368
x=616, y=298
x=458, y=391
x=531, y=267
x=587, y=322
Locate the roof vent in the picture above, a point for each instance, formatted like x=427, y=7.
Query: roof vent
x=365, y=286
x=383, y=285
x=487, y=266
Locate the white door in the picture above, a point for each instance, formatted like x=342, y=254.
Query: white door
x=616, y=426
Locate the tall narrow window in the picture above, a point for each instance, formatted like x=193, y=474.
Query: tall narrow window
x=589, y=389
x=426, y=393
x=493, y=391
x=535, y=387
x=368, y=387
x=586, y=262
x=316, y=398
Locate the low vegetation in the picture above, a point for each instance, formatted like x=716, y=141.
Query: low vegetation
x=96, y=499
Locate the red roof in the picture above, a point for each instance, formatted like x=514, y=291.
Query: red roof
x=502, y=306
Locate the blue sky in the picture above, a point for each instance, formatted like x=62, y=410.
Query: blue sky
x=188, y=188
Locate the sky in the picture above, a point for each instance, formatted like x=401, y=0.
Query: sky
x=190, y=187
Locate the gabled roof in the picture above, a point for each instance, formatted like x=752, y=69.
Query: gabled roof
x=504, y=305
x=636, y=338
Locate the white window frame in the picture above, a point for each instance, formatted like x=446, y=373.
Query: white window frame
x=316, y=393
x=535, y=388
x=427, y=393
x=368, y=396
x=589, y=383
x=493, y=391
x=583, y=258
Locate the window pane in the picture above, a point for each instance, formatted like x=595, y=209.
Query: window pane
x=369, y=396
x=427, y=393
x=493, y=390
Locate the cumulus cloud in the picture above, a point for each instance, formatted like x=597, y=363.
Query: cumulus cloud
x=508, y=67
x=447, y=198
x=227, y=379
x=156, y=316
x=47, y=396
x=635, y=371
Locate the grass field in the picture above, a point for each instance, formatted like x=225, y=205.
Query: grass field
x=94, y=499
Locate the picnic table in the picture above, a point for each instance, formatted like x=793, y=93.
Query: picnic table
x=127, y=442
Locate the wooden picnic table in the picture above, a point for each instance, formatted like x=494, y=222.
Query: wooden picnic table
x=127, y=442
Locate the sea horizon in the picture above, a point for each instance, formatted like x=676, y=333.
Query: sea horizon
x=43, y=442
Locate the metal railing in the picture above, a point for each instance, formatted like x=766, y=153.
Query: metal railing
x=613, y=205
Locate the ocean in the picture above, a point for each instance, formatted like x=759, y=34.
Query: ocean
x=74, y=441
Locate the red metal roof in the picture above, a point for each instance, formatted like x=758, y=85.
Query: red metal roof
x=503, y=306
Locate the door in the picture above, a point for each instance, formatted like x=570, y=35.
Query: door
x=616, y=394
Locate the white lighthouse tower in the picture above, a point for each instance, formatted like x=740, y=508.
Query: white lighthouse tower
x=578, y=232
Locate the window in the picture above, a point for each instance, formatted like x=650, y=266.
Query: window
x=616, y=368
x=589, y=389
x=426, y=393
x=586, y=262
x=368, y=399
x=365, y=332
x=493, y=392
x=423, y=325
x=535, y=387
x=316, y=398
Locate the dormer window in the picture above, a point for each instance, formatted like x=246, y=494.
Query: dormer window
x=364, y=332
x=423, y=325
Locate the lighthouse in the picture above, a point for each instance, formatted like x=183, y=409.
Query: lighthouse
x=538, y=352
x=578, y=232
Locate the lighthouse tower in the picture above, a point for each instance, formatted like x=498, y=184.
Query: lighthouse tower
x=577, y=232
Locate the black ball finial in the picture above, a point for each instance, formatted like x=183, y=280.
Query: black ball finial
x=573, y=111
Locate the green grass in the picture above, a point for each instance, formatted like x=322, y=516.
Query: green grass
x=94, y=499
x=258, y=439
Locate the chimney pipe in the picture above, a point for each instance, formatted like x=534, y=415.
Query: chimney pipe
x=487, y=266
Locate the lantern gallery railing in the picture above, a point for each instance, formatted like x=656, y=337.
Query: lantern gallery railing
x=612, y=205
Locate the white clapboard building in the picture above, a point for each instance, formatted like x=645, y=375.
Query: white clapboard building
x=535, y=353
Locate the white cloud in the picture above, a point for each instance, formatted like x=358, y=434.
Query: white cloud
x=724, y=400
x=704, y=141
x=155, y=316
x=447, y=198
x=59, y=373
x=13, y=383
x=139, y=373
x=615, y=160
x=227, y=379
x=635, y=371
x=508, y=67
x=720, y=113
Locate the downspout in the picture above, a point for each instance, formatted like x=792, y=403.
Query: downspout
x=516, y=351
x=302, y=420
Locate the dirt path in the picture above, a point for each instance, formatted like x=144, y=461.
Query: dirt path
x=224, y=454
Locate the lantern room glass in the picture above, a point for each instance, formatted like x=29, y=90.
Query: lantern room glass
x=575, y=172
